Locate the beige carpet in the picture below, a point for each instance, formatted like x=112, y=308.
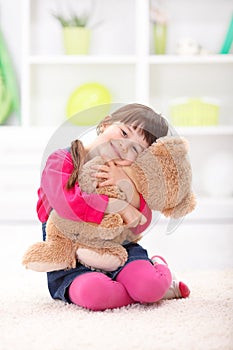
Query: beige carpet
x=31, y=320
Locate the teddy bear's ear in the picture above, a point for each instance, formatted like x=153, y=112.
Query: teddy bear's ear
x=183, y=208
x=170, y=144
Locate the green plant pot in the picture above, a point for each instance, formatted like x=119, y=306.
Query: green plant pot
x=76, y=40
x=160, y=38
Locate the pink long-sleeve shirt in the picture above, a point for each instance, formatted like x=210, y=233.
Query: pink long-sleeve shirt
x=73, y=204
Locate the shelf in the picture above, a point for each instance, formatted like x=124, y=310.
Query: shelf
x=128, y=59
x=205, y=130
x=87, y=59
x=124, y=63
x=195, y=59
x=29, y=131
x=223, y=130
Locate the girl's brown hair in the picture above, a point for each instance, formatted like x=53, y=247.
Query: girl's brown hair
x=142, y=118
x=78, y=155
x=148, y=123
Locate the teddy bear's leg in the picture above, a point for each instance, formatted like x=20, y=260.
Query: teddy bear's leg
x=56, y=253
x=107, y=257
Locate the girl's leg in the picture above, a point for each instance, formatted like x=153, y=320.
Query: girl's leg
x=98, y=292
x=144, y=282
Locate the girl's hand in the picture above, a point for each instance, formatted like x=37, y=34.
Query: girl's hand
x=112, y=174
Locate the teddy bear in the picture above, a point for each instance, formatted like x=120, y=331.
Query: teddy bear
x=161, y=173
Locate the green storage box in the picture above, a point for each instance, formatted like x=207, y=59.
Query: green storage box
x=194, y=112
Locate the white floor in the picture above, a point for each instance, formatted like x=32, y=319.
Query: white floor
x=30, y=319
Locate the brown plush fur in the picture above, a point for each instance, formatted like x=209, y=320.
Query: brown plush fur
x=164, y=170
x=162, y=174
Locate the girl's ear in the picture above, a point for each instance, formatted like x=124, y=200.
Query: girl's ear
x=105, y=123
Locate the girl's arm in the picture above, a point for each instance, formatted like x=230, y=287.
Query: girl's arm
x=71, y=204
x=146, y=211
x=136, y=219
x=75, y=204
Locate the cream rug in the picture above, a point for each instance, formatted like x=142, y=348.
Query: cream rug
x=31, y=320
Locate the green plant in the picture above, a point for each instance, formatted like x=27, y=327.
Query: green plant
x=73, y=20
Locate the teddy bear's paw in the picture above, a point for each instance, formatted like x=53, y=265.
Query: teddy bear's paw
x=112, y=191
x=111, y=221
x=92, y=259
x=45, y=266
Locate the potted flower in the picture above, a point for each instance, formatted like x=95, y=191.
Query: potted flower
x=76, y=35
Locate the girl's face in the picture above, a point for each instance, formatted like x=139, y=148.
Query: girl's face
x=118, y=142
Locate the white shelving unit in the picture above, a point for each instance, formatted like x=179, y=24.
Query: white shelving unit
x=121, y=58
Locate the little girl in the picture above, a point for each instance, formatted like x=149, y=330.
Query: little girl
x=120, y=138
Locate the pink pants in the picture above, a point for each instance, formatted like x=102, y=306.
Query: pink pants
x=139, y=281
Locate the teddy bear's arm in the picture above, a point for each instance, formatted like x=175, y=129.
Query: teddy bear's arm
x=56, y=253
x=112, y=192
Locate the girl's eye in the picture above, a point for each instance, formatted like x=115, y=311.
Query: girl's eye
x=124, y=133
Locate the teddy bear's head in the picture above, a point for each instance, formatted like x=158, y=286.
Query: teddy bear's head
x=162, y=174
